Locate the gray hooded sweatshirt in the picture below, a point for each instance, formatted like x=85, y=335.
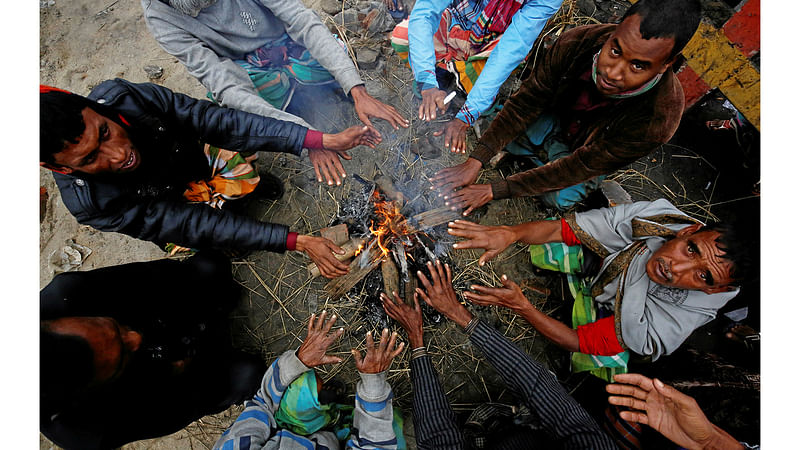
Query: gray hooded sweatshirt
x=228, y=29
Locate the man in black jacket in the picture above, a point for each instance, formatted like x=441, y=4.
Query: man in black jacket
x=144, y=363
x=124, y=156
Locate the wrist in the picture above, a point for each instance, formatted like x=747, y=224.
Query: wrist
x=415, y=340
x=357, y=92
x=301, y=243
x=473, y=163
x=461, y=316
x=719, y=440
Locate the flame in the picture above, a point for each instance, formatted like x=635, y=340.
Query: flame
x=390, y=224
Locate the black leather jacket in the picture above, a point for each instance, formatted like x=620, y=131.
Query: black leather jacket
x=174, y=128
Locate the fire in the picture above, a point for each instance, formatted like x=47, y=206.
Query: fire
x=390, y=226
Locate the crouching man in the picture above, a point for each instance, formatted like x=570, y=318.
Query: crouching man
x=663, y=274
x=142, y=160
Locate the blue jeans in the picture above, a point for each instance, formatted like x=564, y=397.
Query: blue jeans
x=544, y=134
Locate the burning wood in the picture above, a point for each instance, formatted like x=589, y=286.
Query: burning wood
x=350, y=248
x=390, y=276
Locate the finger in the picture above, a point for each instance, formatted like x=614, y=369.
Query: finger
x=364, y=118
x=330, y=166
x=337, y=165
x=357, y=357
x=330, y=359
x=424, y=296
x=439, y=133
x=422, y=110
x=398, y=350
x=636, y=379
x=628, y=402
x=627, y=390
x=434, y=274
x=382, y=345
x=632, y=416
x=508, y=283
x=397, y=299
x=370, y=343
x=316, y=171
x=326, y=327
x=487, y=256
x=497, y=292
x=417, y=309
x=323, y=167
x=321, y=320
x=440, y=103
x=310, y=324
x=392, y=342
x=670, y=392
x=431, y=110
x=424, y=280
x=481, y=299
x=449, y=274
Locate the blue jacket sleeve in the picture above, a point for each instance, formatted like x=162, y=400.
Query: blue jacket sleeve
x=373, y=414
x=514, y=45
x=422, y=25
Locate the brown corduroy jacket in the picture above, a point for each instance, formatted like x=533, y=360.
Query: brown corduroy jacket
x=631, y=128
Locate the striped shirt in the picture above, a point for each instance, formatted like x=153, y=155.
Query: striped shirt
x=256, y=428
x=568, y=423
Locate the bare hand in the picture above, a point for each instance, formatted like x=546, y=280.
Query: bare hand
x=448, y=180
x=440, y=295
x=367, y=106
x=432, y=99
x=351, y=137
x=409, y=317
x=455, y=136
x=471, y=197
x=492, y=239
x=509, y=296
x=378, y=358
x=675, y=415
x=312, y=352
x=321, y=250
x=326, y=164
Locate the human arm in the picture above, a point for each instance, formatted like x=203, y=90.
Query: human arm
x=562, y=416
x=515, y=43
x=434, y=421
x=510, y=296
x=495, y=239
x=423, y=22
x=373, y=415
x=257, y=423
x=228, y=82
x=675, y=415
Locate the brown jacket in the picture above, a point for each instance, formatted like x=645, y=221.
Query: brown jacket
x=630, y=129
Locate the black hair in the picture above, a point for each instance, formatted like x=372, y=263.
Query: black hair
x=60, y=122
x=741, y=242
x=677, y=19
x=66, y=364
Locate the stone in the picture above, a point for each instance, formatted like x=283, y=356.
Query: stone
x=366, y=58
x=349, y=20
x=154, y=72
x=331, y=7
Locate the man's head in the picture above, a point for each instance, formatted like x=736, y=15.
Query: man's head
x=97, y=349
x=645, y=43
x=710, y=258
x=78, y=135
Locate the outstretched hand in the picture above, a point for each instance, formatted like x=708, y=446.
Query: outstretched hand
x=326, y=164
x=367, y=106
x=455, y=135
x=440, y=295
x=321, y=250
x=509, y=296
x=432, y=99
x=379, y=357
x=317, y=341
x=471, y=197
x=675, y=415
x=409, y=317
x=492, y=239
x=351, y=137
x=448, y=180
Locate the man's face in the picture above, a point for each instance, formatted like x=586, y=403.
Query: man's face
x=691, y=261
x=113, y=344
x=627, y=61
x=104, y=147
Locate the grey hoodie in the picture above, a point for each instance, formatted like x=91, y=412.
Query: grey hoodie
x=229, y=29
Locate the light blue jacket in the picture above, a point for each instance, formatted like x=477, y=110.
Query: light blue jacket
x=514, y=45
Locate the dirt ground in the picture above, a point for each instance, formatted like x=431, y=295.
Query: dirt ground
x=83, y=43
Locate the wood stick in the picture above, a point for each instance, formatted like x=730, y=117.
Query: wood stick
x=387, y=187
x=390, y=277
x=409, y=287
x=350, y=248
x=339, y=286
x=434, y=217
